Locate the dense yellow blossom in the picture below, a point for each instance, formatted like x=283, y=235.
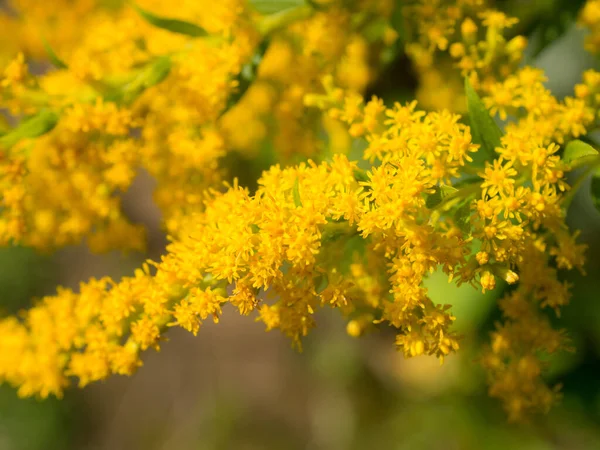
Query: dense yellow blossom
x=118, y=82
x=286, y=240
x=449, y=39
x=320, y=229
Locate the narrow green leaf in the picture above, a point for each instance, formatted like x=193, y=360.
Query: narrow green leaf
x=246, y=76
x=52, y=56
x=595, y=190
x=576, y=149
x=467, y=181
x=484, y=129
x=462, y=218
x=397, y=21
x=157, y=71
x=361, y=175
x=296, y=194
x=271, y=23
x=151, y=75
x=35, y=126
x=173, y=25
x=321, y=282
x=434, y=198
x=439, y=195
x=273, y=6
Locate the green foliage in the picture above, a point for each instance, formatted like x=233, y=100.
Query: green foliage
x=296, y=194
x=52, y=56
x=321, y=282
x=23, y=274
x=552, y=22
x=354, y=248
x=281, y=17
x=28, y=424
x=439, y=195
x=246, y=76
x=462, y=217
x=595, y=189
x=35, y=126
x=484, y=130
x=153, y=74
x=580, y=154
x=173, y=25
x=361, y=176
x=274, y=6
x=576, y=150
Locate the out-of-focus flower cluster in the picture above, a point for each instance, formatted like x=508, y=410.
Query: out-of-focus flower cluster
x=452, y=39
x=131, y=95
x=182, y=97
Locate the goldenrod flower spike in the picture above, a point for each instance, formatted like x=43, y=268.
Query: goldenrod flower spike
x=183, y=97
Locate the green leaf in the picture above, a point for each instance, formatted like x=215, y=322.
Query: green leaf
x=595, y=190
x=274, y=6
x=35, y=126
x=255, y=228
x=52, y=56
x=151, y=75
x=321, y=282
x=397, y=22
x=484, y=129
x=334, y=230
x=354, y=245
x=439, y=195
x=361, y=175
x=157, y=72
x=462, y=218
x=575, y=150
x=296, y=194
x=173, y=25
x=246, y=76
x=283, y=17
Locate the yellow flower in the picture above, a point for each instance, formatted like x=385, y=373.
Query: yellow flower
x=358, y=236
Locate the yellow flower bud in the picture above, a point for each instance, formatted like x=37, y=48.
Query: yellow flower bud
x=488, y=281
x=468, y=28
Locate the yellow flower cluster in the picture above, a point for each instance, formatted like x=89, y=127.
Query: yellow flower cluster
x=113, y=100
x=428, y=194
x=521, y=215
x=330, y=42
x=590, y=18
x=524, y=97
x=466, y=35
x=286, y=241
x=65, y=20
x=283, y=250
x=107, y=92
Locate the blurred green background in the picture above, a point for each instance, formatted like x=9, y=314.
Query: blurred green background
x=237, y=387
